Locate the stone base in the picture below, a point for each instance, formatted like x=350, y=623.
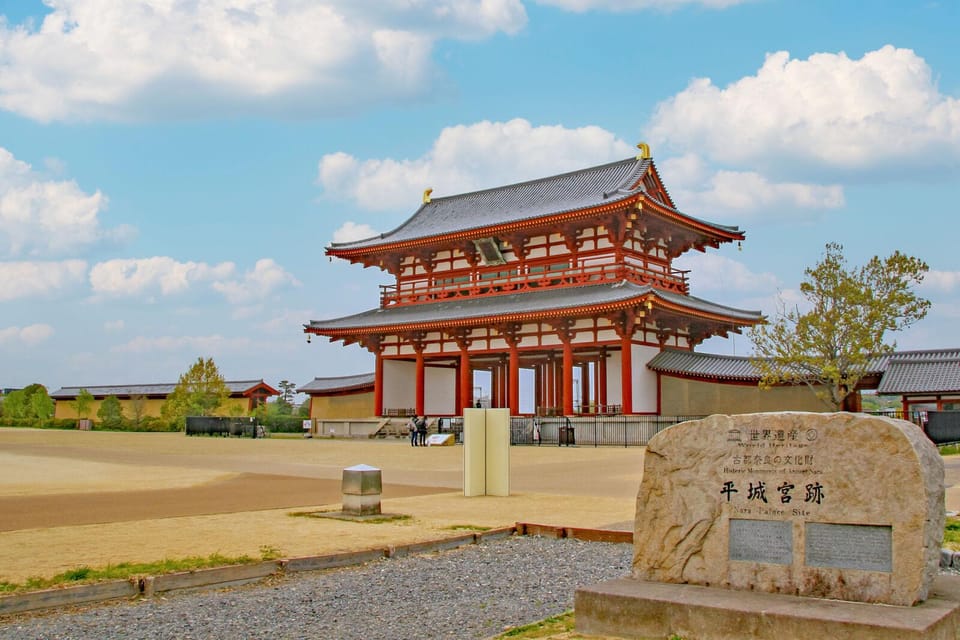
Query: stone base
x=361, y=505
x=628, y=608
x=355, y=517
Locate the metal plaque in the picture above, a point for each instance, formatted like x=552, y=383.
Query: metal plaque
x=849, y=546
x=769, y=541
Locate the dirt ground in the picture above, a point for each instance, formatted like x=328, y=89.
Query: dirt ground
x=70, y=498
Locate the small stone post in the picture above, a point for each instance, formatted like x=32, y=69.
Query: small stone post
x=361, y=487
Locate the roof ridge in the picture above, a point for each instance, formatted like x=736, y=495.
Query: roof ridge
x=524, y=183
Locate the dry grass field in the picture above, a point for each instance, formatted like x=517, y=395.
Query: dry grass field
x=71, y=498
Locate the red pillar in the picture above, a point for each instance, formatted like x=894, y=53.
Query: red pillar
x=420, y=386
x=567, y=378
x=626, y=372
x=584, y=387
x=466, y=380
x=513, y=378
x=377, y=386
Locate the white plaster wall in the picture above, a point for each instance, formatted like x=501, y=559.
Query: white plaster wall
x=399, y=384
x=644, y=380
x=613, y=378
x=440, y=385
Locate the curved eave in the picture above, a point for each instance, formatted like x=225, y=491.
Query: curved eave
x=659, y=299
x=721, y=233
x=486, y=231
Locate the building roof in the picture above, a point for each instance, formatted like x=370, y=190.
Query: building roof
x=236, y=387
x=903, y=372
x=704, y=365
x=568, y=192
x=520, y=306
x=919, y=372
x=343, y=383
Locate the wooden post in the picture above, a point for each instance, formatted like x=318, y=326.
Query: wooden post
x=567, y=378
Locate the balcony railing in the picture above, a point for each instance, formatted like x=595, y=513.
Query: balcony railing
x=418, y=292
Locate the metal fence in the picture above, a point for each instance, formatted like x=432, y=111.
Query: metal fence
x=592, y=431
x=221, y=426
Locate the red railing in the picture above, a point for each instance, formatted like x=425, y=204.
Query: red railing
x=420, y=291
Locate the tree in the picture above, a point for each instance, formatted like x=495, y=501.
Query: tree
x=138, y=406
x=199, y=392
x=83, y=403
x=41, y=405
x=110, y=412
x=285, y=401
x=829, y=347
x=15, y=404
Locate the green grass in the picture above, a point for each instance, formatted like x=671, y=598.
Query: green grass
x=950, y=449
x=562, y=623
x=126, y=570
x=364, y=520
x=951, y=534
x=466, y=527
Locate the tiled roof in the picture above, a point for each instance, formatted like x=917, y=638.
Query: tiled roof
x=582, y=189
x=507, y=305
x=164, y=389
x=342, y=383
x=705, y=365
x=913, y=372
x=903, y=372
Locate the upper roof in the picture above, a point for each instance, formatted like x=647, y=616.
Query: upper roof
x=519, y=306
x=164, y=389
x=567, y=192
x=341, y=383
x=912, y=372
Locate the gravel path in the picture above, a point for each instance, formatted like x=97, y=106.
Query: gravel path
x=471, y=592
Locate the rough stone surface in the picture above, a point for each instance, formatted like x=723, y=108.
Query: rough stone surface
x=882, y=476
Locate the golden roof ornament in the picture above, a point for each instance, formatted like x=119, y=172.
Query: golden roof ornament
x=644, y=151
x=426, y=195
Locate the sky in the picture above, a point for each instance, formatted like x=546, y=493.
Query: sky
x=172, y=170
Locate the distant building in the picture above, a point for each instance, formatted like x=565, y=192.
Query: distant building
x=340, y=397
x=245, y=396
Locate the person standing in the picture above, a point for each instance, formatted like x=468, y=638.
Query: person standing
x=412, y=428
x=422, y=430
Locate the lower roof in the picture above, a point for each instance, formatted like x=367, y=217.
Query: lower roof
x=318, y=386
x=902, y=372
x=513, y=307
x=237, y=387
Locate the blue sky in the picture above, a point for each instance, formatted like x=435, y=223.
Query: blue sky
x=170, y=172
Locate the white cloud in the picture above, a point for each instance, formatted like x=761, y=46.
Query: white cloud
x=265, y=277
x=114, y=325
x=695, y=187
x=828, y=112
x=213, y=344
x=29, y=279
x=40, y=216
x=711, y=272
x=941, y=281
x=92, y=59
x=637, y=5
x=30, y=335
x=136, y=276
x=350, y=231
x=468, y=157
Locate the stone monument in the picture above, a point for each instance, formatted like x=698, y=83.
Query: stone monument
x=827, y=507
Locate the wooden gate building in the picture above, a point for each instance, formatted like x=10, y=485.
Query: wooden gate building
x=564, y=273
